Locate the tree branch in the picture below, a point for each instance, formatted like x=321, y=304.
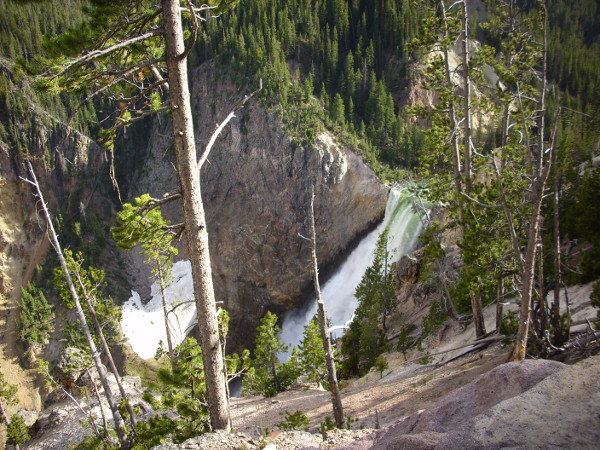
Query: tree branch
x=220, y=128
x=95, y=54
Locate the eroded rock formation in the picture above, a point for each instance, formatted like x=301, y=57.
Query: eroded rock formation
x=256, y=188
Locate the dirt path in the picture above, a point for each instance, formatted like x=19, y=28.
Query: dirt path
x=403, y=390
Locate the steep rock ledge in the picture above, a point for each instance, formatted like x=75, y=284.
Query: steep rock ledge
x=256, y=187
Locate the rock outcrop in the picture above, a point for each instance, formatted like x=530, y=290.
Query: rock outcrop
x=256, y=187
x=66, y=164
x=531, y=404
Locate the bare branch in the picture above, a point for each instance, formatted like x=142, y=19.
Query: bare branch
x=220, y=128
x=484, y=205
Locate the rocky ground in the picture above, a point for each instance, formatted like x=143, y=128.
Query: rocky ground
x=473, y=400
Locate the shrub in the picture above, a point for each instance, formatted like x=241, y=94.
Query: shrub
x=294, y=421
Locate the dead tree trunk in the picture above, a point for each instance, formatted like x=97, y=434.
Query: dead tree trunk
x=107, y=352
x=119, y=425
x=467, y=98
x=478, y=320
x=336, y=400
x=558, y=338
x=499, y=302
x=161, y=282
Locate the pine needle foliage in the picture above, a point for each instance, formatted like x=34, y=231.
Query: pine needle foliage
x=35, y=322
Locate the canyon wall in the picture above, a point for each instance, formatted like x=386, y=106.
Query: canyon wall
x=256, y=187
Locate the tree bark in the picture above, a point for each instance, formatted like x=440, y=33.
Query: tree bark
x=119, y=425
x=336, y=399
x=478, y=320
x=467, y=98
x=107, y=352
x=499, y=302
x=456, y=159
x=558, y=338
x=194, y=217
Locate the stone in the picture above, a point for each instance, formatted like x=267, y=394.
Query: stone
x=530, y=404
x=256, y=190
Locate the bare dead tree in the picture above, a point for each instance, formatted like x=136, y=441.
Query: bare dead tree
x=118, y=420
x=336, y=399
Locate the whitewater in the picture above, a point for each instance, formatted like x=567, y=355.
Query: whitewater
x=143, y=324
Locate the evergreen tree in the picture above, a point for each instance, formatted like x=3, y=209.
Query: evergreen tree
x=269, y=375
x=35, y=317
x=366, y=337
x=143, y=224
x=310, y=352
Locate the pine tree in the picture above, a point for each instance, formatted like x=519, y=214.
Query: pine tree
x=365, y=339
x=269, y=375
x=310, y=352
x=36, y=315
x=143, y=224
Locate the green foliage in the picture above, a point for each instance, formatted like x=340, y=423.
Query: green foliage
x=17, y=432
x=182, y=388
x=7, y=391
x=381, y=364
x=36, y=316
x=180, y=395
x=509, y=324
x=270, y=376
x=143, y=224
x=433, y=320
x=405, y=341
x=89, y=283
x=327, y=424
x=365, y=339
x=294, y=421
x=581, y=217
x=310, y=352
x=343, y=50
x=426, y=359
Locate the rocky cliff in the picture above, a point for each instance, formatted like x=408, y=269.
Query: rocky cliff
x=256, y=187
x=66, y=164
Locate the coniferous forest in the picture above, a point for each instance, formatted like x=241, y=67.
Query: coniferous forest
x=487, y=113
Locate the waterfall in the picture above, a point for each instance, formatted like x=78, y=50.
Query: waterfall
x=338, y=292
x=144, y=325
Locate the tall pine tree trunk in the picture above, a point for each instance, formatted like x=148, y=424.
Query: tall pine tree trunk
x=336, y=399
x=467, y=98
x=194, y=217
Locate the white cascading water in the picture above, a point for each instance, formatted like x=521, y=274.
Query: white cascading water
x=404, y=226
x=144, y=325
